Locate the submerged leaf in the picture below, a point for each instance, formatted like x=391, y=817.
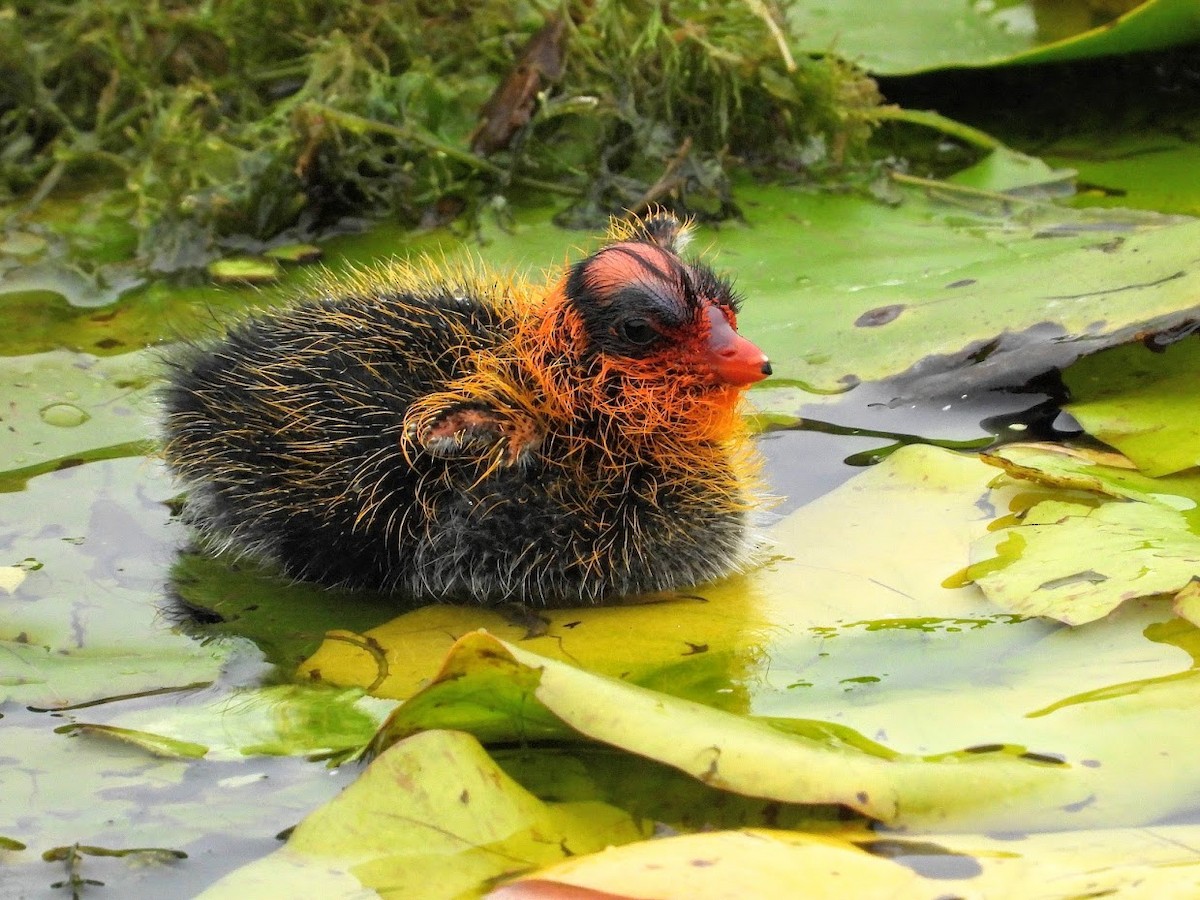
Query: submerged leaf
x=155, y=744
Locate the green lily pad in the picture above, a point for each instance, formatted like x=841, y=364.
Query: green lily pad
x=1077, y=563
x=1102, y=473
x=66, y=408
x=286, y=620
x=245, y=270
x=832, y=652
x=69, y=788
x=953, y=288
x=294, y=253
x=277, y=720
x=926, y=35
x=1142, y=403
x=432, y=817
x=1004, y=170
x=1147, y=166
x=80, y=626
x=967, y=307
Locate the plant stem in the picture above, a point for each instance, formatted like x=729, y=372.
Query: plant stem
x=930, y=119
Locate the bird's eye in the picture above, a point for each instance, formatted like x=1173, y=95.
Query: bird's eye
x=638, y=332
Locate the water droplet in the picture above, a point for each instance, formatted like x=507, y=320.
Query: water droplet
x=64, y=415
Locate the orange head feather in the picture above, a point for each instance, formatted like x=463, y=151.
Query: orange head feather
x=638, y=337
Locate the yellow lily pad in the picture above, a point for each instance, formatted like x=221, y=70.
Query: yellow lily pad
x=1151, y=863
x=752, y=863
x=537, y=698
x=820, y=568
x=433, y=817
x=1077, y=559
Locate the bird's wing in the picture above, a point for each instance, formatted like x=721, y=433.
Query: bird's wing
x=458, y=429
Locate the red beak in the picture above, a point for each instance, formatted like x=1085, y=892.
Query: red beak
x=732, y=358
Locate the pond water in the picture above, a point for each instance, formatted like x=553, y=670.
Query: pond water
x=150, y=699
x=101, y=540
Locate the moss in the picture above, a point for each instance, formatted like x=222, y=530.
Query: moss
x=249, y=118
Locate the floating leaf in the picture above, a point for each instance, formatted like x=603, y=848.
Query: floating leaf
x=155, y=744
x=1142, y=403
x=65, y=408
x=933, y=35
x=1077, y=561
x=80, y=627
x=278, y=720
x=245, y=269
x=1148, y=863
x=286, y=620
x=432, y=817
x=69, y=789
x=497, y=688
x=689, y=640
x=294, y=253
x=769, y=864
x=952, y=289
x=1187, y=602
x=1109, y=475
x=1145, y=165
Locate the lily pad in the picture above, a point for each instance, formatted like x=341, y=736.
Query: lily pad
x=66, y=408
x=491, y=685
x=1142, y=165
x=78, y=627
x=1078, y=561
x=926, y=35
x=729, y=864
x=1142, y=403
x=294, y=253
x=245, y=270
x=840, y=655
x=952, y=288
x=432, y=817
x=1106, y=474
x=119, y=796
x=227, y=597
x=278, y=720
x=1159, y=862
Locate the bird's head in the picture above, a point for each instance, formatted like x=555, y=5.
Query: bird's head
x=651, y=337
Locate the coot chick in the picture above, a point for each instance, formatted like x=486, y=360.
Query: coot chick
x=461, y=436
